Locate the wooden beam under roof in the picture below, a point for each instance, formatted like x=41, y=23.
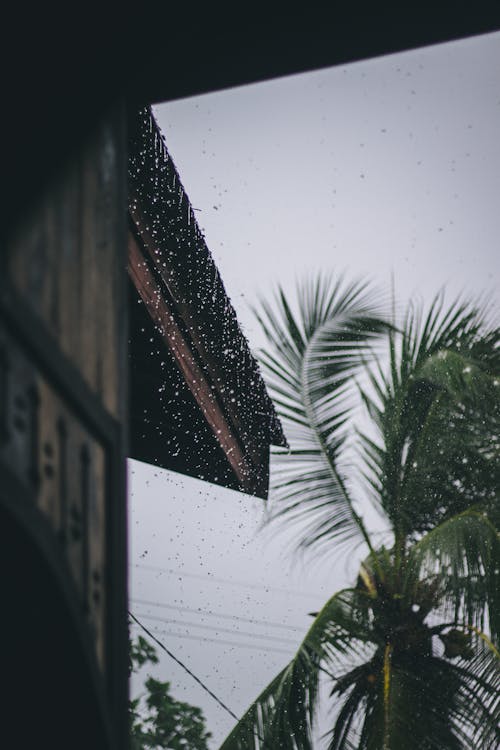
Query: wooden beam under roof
x=163, y=317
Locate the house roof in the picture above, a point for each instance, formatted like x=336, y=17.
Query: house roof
x=182, y=271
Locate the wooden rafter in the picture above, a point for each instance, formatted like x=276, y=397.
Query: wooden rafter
x=163, y=318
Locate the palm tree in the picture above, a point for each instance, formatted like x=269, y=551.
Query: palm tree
x=409, y=654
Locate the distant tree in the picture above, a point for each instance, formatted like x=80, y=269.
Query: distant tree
x=157, y=720
x=409, y=652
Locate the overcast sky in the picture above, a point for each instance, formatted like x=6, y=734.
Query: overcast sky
x=387, y=166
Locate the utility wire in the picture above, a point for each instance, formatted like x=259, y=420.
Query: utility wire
x=221, y=615
x=186, y=669
x=216, y=579
x=217, y=629
x=222, y=642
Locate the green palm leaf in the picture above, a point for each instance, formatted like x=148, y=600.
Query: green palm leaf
x=310, y=372
x=454, y=462
x=283, y=714
x=437, y=705
x=438, y=419
x=464, y=553
x=428, y=703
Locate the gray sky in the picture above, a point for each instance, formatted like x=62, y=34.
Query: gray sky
x=383, y=166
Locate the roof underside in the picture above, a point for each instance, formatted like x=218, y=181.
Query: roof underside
x=150, y=57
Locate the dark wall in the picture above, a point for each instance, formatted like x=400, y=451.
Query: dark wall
x=44, y=650
x=63, y=339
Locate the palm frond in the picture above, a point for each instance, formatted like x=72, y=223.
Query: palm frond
x=464, y=553
x=454, y=461
x=438, y=419
x=310, y=371
x=442, y=706
x=429, y=703
x=283, y=714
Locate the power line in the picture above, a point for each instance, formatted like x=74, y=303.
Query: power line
x=186, y=669
x=216, y=579
x=217, y=629
x=221, y=641
x=221, y=615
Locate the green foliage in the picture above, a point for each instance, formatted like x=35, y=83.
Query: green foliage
x=411, y=652
x=158, y=720
x=140, y=652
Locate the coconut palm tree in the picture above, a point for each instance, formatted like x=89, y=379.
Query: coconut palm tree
x=408, y=656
